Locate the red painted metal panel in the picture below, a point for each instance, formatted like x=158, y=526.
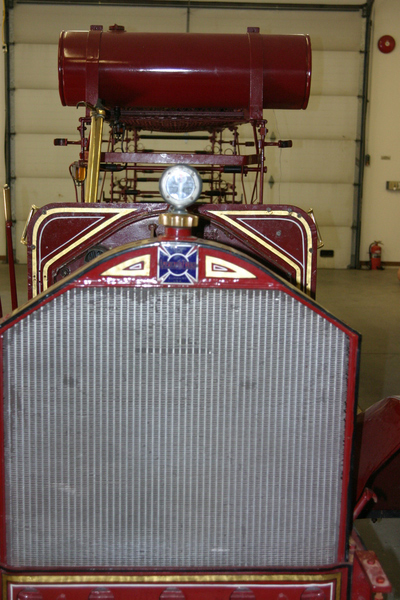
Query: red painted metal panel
x=379, y=422
x=60, y=236
x=284, y=234
x=330, y=584
x=294, y=591
x=386, y=484
x=368, y=577
x=57, y=233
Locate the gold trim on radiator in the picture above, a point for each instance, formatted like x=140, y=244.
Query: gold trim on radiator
x=168, y=579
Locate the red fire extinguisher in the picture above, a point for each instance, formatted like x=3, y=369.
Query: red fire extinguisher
x=375, y=255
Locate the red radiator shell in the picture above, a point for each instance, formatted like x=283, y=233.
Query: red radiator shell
x=184, y=71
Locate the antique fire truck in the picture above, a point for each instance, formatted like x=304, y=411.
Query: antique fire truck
x=178, y=413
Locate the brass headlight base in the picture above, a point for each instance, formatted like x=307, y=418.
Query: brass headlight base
x=178, y=220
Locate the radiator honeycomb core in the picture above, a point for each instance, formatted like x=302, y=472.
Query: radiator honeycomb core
x=180, y=427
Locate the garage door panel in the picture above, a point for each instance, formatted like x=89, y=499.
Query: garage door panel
x=41, y=111
x=320, y=161
x=331, y=202
x=36, y=156
x=336, y=73
x=50, y=20
x=324, y=34
x=39, y=191
x=337, y=239
x=326, y=118
x=35, y=66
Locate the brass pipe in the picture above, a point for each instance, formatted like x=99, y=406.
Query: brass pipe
x=320, y=243
x=96, y=133
x=7, y=202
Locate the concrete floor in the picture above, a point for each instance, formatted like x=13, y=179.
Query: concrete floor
x=368, y=301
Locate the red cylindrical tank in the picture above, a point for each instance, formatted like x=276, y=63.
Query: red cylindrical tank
x=184, y=71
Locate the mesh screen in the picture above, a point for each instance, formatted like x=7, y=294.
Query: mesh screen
x=173, y=427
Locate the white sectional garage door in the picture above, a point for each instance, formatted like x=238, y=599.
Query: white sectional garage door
x=318, y=172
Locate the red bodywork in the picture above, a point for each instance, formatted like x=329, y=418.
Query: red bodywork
x=222, y=586
x=63, y=237
x=378, y=463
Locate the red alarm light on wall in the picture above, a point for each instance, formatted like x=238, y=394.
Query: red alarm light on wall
x=386, y=44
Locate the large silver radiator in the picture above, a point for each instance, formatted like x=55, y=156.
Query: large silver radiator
x=151, y=427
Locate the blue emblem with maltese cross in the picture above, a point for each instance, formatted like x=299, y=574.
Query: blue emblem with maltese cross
x=177, y=263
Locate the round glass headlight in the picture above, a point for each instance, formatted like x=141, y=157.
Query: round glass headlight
x=180, y=186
